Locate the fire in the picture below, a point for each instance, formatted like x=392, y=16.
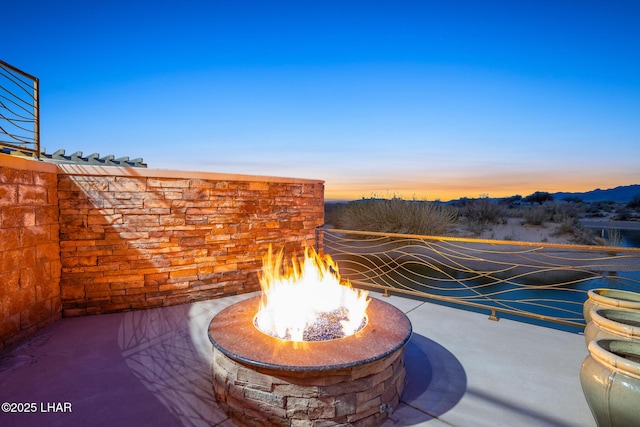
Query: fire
x=296, y=296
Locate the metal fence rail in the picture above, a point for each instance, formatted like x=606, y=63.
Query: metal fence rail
x=545, y=282
x=19, y=111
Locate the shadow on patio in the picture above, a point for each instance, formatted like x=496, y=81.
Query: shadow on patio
x=153, y=367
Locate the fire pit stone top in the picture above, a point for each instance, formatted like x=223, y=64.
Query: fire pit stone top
x=232, y=331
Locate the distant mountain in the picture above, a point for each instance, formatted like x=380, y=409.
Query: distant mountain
x=622, y=194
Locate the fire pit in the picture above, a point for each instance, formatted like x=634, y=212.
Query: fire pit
x=260, y=379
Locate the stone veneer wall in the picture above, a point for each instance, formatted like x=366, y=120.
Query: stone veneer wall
x=141, y=238
x=78, y=240
x=357, y=396
x=29, y=249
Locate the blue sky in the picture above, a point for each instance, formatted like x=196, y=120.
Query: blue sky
x=427, y=99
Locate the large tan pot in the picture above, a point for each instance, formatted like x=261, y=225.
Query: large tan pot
x=613, y=324
x=610, y=298
x=610, y=379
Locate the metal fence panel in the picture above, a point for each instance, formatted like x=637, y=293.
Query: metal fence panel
x=19, y=111
x=544, y=282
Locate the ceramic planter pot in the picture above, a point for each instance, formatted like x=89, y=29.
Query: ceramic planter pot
x=610, y=298
x=610, y=379
x=613, y=324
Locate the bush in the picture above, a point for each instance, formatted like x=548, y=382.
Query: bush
x=568, y=226
x=332, y=212
x=634, y=203
x=396, y=216
x=512, y=201
x=593, y=211
x=585, y=236
x=538, y=197
x=613, y=237
x=558, y=212
x=563, y=211
x=605, y=206
x=483, y=211
x=622, y=213
x=573, y=199
x=536, y=216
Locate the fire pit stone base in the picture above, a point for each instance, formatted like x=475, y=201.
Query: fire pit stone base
x=361, y=395
x=259, y=380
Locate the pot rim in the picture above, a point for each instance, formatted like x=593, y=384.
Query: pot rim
x=615, y=297
x=600, y=317
x=601, y=350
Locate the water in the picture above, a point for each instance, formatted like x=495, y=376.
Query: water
x=630, y=237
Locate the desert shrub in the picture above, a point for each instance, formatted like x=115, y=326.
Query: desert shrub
x=573, y=199
x=397, y=216
x=623, y=213
x=604, y=206
x=558, y=212
x=332, y=213
x=484, y=211
x=536, y=215
x=568, y=226
x=602, y=237
x=512, y=201
x=612, y=237
x=562, y=211
x=585, y=236
x=634, y=203
x=474, y=227
x=514, y=211
x=593, y=211
x=538, y=197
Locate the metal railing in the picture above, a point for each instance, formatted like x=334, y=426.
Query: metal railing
x=19, y=111
x=538, y=281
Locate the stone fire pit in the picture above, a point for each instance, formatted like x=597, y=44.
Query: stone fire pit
x=261, y=380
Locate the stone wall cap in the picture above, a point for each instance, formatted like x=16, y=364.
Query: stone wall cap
x=27, y=163
x=71, y=169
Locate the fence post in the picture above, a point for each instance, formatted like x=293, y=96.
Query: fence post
x=36, y=116
x=319, y=244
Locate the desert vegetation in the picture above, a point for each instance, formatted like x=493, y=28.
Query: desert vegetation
x=480, y=214
x=558, y=220
x=394, y=215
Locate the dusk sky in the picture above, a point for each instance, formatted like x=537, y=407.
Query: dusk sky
x=427, y=99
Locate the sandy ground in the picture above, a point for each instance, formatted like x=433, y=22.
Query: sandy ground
x=515, y=229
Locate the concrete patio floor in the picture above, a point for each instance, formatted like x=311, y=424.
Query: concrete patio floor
x=153, y=367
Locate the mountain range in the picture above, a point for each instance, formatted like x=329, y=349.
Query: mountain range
x=621, y=194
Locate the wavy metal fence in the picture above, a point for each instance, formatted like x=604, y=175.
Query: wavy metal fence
x=19, y=111
x=541, y=282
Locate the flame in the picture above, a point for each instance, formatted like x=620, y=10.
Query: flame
x=293, y=296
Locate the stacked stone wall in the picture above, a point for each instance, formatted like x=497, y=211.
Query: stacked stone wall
x=359, y=396
x=155, y=239
x=78, y=240
x=29, y=248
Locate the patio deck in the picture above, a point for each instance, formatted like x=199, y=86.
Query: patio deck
x=153, y=367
